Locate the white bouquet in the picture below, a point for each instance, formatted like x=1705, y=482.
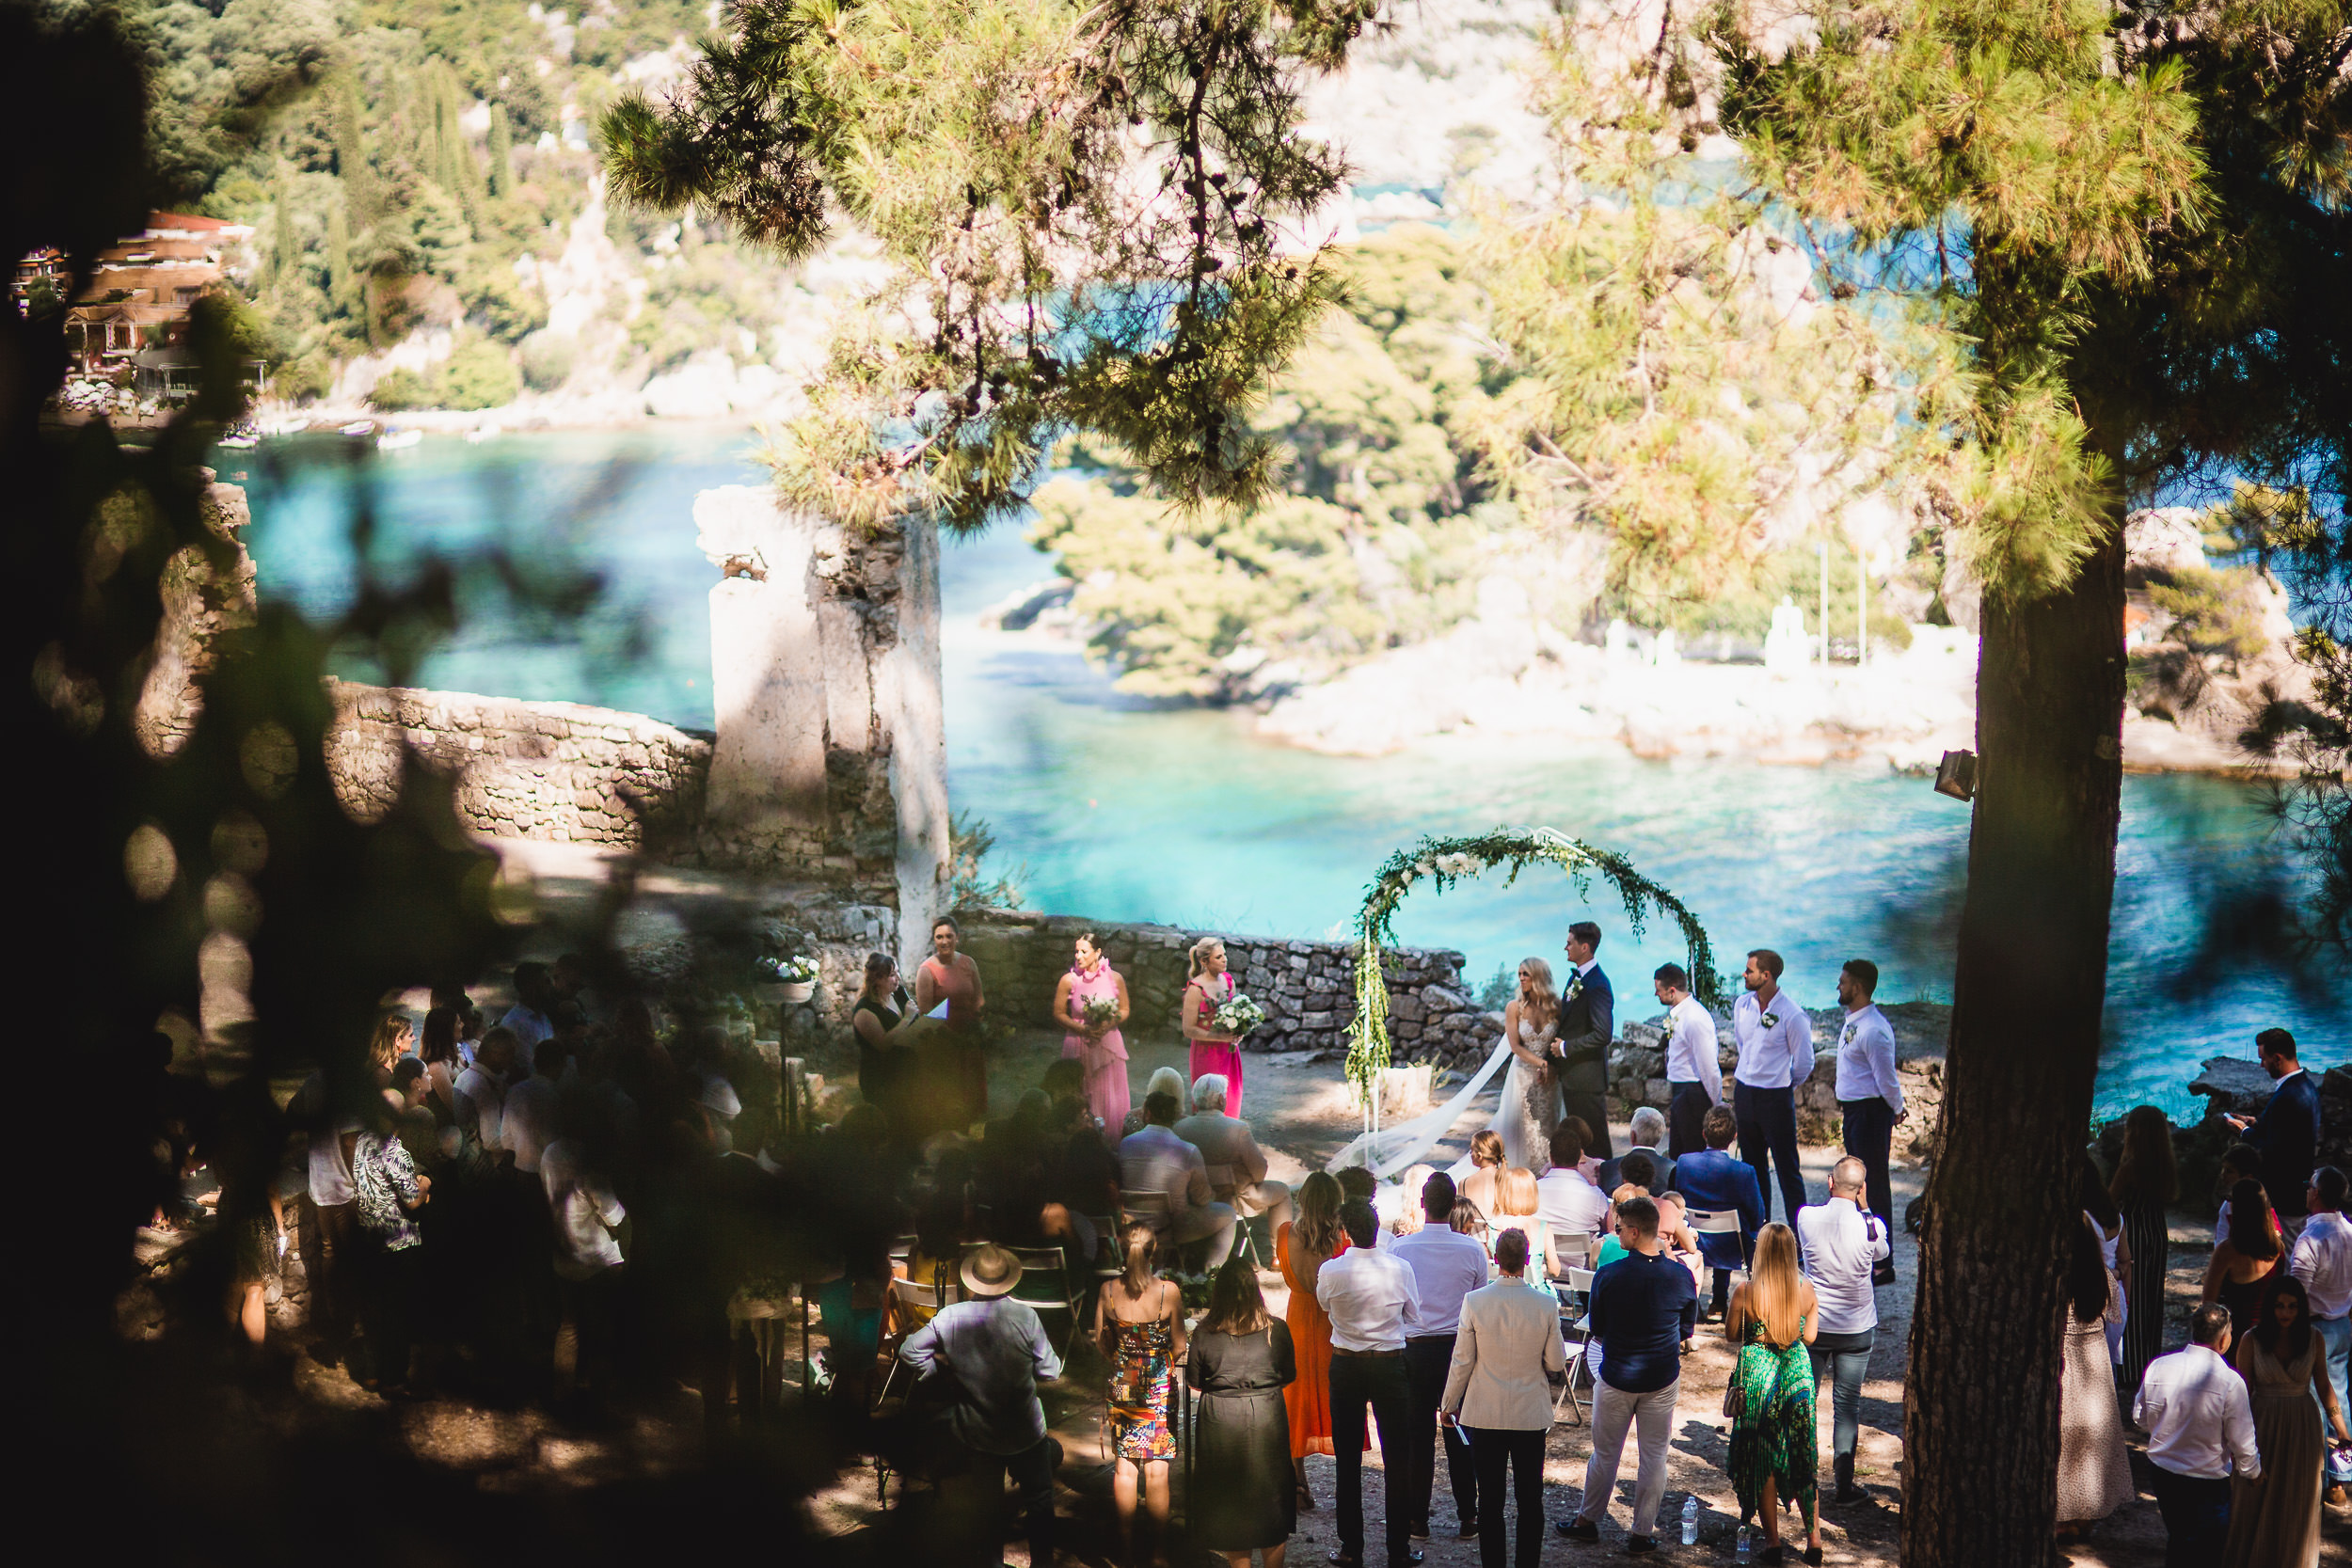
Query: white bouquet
x=1102, y=1012
x=1238, y=1016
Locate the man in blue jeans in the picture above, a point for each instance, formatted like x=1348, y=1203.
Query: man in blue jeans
x=2200, y=1431
x=2321, y=1259
x=1842, y=1243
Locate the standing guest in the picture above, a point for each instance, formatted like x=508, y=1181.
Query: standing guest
x=2287, y=1132
x=989, y=1354
x=1139, y=1324
x=2115, y=1249
x=1842, y=1245
x=439, y=1050
x=2094, y=1473
x=1237, y=1165
x=2274, y=1517
x=1648, y=1128
x=1507, y=1347
x=2321, y=1259
x=1089, y=981
x=386, y=1190
x=1869, y=1096
x=388, y=1043
x=1302, y=1248
x=959, y=1086
x=2243, y=1264
x=2239, y=1163
x=1588, y=1021
x=1694, y=1070
x=1775, y=1453
x=1240, y=1363
x=527, y=1116
x=884, y=1024
x=481, y=1090
x=1640, y=1308
x=1571, y=1210
x=1208, y=986
x=1446, y=1267
x=1157, y=1161
x=1713, y=1181
x=587, y=1263
x=1529, y=1106
x=1518, y=1205
x=1485, y=1161
x=530, y=1019
x=1776, y=1038
x=2200, y=1423
x=2146, y=1183
x=1374, y=1307
x=331, y=1256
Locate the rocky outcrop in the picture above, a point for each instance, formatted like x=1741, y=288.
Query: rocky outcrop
x=206, y=592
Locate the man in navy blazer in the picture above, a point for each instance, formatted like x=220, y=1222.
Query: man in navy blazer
x=1719, y=1181
x=1588, y=1021
x=2287, y=1132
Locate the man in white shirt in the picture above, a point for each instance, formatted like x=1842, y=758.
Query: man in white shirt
x=587, y=1263
x=527, y=1118
x=1375, y=1307
x=2200, y=1429
x=2321, y=1259
x=1869, y=1096
x=481, y=1089
x=1840, y=1246
x=1154, y=1160
x=1776, y=1038
x=535, y=995
x=1694, y=1070
x=1568, y=1204
x=1446, y=1266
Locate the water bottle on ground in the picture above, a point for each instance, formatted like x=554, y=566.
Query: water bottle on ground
x=1691, y=1520
x=1741, y=1554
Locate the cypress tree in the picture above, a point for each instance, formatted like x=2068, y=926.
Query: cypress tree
x=351, y=158
x=285, y=252
x=501, y=153
x=338, y=253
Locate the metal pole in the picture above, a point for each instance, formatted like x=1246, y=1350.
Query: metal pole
x=1862, y=610
x=1825, y=607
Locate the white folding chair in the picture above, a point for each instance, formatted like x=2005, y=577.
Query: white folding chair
x=1579, y=1335
x=1721, y=1222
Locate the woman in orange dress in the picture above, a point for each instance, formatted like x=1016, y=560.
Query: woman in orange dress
x=1302, y=1248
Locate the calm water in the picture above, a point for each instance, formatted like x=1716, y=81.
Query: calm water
x=1128, y=811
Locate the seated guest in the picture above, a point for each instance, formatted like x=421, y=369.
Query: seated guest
x=1569, y=1207
x=2200, y=1422
x=1518, y=1206
x=1717, y=1181
x=1237, y=1165
x=1167, y=1081
x=1398, y=1205
x=1649, y=1137
x=1155, y=1160
x=1637, y=1169
x=1479, y=1170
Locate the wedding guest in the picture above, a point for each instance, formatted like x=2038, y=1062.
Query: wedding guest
x=958, y=1092
x=884, y=1024
x=1446, y=1267
x=2145, y=1183
x=527, y=1115
x=481, y=1090
x=1374, y=1307
x=1155, y=1160
x=1640, y=1308
x=331, y=1258
x=1518, y=1204
x=1237, y=1165
x=1713, y=1181
x=1091, y=1002
x=388, y=1043
x=1648, y=1127
x=1776, y=1038
x=386, y=1190
x=1139, y=1324
x=1774, y=1457
x=528, y=1019
x=2200, y=1423
x=1869, y=1096
x=2243, y=1264
x=1241, y=1363
x=1842, y=1245
x=1507, y=1347
x=1486, y=1160
x=2274, y=1517
x=588, y=1263
x=2239, y=1163
x=2321, y=1259
x=1164, y=1080
x=2114, y=1248
x=1572, y=1210
x=443, y=1062
x=1580, y=1055
x=2287, y=1132
x=1530, y=1103
x=2094, y=1473
x=1302, y=1248
x=1694, y=1071
x=1208, y=986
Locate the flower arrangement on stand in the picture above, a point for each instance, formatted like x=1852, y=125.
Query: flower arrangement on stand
x=791, y=979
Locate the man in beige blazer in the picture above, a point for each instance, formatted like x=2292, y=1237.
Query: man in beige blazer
x=1498, y=1392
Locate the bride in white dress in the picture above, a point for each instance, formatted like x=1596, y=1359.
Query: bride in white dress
x=1529, y=1107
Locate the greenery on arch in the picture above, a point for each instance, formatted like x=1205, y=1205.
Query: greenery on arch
x=1448, y=861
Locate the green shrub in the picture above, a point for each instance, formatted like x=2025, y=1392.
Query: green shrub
x=2212, y=613
x=403, y=388
x=478, y=375
x=547, y=358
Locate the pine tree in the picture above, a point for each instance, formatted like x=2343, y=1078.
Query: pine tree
x=338, y=255
x=285, y=251
x=501, y=153
x=1081, y=204
x=349, y=123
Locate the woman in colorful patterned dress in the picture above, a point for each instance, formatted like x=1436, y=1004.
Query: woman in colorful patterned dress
x=1774, y=1460
x=1091, y=982
x=1140, y=1322
x=1208, y=986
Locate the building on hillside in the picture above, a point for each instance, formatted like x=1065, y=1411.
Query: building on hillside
x=141, y=289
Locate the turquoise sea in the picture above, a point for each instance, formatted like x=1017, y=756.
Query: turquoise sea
x=1127, y=810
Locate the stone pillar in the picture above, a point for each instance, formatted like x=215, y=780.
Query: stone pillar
x=832, y=760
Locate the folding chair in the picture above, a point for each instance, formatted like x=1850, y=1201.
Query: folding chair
x=1044, y=1287
x=1578, y=1332
x=1721, y=1222
x=1226, y=1190
x=904, y=1294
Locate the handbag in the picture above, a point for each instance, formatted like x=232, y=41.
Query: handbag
x=1735, y=1397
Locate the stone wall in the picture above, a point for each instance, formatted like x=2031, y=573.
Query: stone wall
x=205, y=594
x=1307, y=987
x=544, y=770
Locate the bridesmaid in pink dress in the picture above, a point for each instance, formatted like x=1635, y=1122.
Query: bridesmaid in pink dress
x=1209, y=988
x=1101, y=1048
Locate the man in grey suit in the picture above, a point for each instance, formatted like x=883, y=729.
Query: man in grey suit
x=1588, y=1021
x=1498, y=1390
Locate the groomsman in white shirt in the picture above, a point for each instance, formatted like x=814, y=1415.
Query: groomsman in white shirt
x=1868, y=1094
x=1775, y=1038
x=1694, y=1071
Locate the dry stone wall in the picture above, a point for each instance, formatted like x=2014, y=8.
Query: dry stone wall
x=546, y=771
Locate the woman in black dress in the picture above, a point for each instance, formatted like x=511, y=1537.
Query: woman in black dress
x=2146, y=1181
x=886, y=1057
x=1239, y=1363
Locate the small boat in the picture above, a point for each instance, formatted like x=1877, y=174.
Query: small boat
x=360, y=427
x=239, y=440
x=485, y=432
x=293, y=425
x=398, y=440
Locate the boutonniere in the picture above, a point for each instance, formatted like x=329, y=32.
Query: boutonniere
x=1771, y=1020
x=1576, y=987
x=1847, y=1038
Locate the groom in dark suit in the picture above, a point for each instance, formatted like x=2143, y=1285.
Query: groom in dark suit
x=1588, y=1020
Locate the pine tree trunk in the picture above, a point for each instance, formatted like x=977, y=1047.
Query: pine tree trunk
x=1982, y=1406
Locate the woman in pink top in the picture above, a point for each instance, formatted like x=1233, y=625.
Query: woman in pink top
x=1209, y=987
x=957, y=1090
x=1098, y=1045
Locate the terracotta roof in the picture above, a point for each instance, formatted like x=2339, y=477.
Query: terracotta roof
x=190, y=222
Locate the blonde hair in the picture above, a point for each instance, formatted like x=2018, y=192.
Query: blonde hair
x=1318, y=1227
x=1775, y=1294
x=1140, y=1244
x=1167, y=1081
x=383, y=1045
x=1545, y=1007
x=1516, y=1193
x=1486, y=1146
x=1197, y=961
